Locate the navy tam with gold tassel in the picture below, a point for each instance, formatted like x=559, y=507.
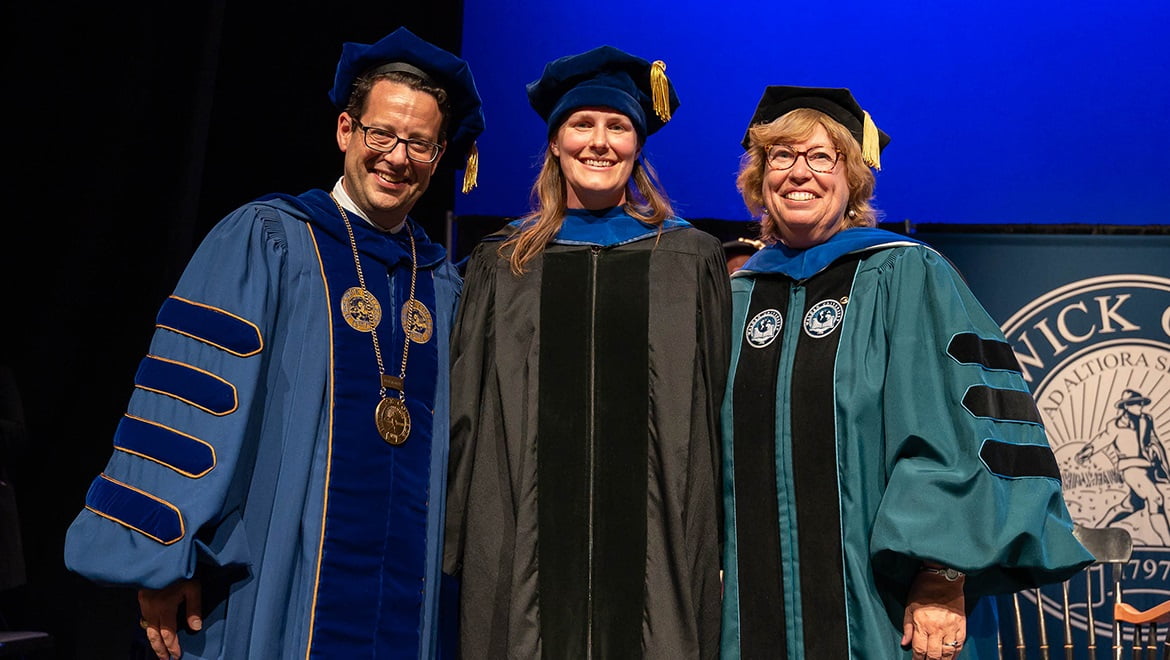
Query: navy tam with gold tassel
x=609, y=77
x=402, y=51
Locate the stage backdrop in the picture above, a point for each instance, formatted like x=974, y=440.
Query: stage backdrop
x=1000, y=111
x=1088, y=317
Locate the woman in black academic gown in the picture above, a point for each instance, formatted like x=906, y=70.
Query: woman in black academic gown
x=588, y=363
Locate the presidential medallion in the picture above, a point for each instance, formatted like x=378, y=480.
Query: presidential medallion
x=360, y=309
x=392, y=420
x=362, y=312
x=416, y=321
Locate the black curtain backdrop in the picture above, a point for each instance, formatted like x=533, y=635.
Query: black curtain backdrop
x=132, y=128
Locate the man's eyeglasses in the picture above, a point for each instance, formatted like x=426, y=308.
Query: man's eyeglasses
x=819, y=159
x=380, y=139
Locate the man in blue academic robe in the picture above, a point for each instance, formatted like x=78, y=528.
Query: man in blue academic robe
x=276, y=487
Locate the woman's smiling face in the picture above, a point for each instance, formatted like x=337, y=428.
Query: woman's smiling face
x=807, y=206
x=596, y=148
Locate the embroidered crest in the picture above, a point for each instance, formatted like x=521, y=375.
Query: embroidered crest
x=764, y=328
x=360, y=309
x=416, y=321
x=823, y=318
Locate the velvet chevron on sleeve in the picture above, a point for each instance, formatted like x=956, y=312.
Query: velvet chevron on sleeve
x=248, y=456
x=874, y=417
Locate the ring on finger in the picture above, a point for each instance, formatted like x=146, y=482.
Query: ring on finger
x=955, y=644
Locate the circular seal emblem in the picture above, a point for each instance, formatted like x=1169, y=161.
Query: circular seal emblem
x=1096, y=354
x=393, y=420
x=416, y=321
x=823, y=318
x=764, y=328
x=360, y=309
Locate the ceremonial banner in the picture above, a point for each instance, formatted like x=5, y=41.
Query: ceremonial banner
x=1088, y=316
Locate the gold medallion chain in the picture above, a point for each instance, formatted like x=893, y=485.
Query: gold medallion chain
x=362, y=311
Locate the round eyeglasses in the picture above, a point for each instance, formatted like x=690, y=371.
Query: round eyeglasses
x=380, y=139
x=819, y=159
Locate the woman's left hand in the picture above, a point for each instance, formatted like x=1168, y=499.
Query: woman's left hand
x=935, y=623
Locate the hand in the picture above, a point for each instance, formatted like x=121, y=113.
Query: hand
x=935, y=618
x=160, y=615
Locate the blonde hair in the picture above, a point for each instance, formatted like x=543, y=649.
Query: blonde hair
x=645, y=200
x=796, y=126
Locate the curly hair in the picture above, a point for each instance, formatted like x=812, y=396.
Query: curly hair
x=796, y=126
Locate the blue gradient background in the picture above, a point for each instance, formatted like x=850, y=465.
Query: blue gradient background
x=1000, y=112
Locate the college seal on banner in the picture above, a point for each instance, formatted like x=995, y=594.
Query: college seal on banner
x=1096, y=355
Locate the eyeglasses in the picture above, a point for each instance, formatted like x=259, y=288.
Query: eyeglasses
x=819, y=159
x=380, y=139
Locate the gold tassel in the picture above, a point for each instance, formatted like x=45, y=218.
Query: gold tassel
x=660, y=88
x=471, y=174
x=870, y=144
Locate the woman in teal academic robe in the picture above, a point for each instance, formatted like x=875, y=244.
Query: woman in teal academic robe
x=884, y=462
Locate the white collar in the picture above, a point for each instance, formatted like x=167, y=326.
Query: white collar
x=343, y=199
